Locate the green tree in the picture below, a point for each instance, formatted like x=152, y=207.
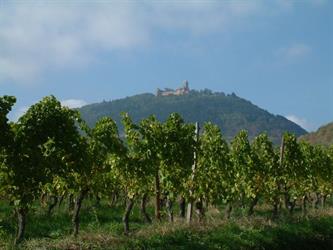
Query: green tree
x=6, y=103
x=151, y=133
x=136, y=170
x=44, y=140
x=265, y=173
x=93, y=164
x=311, y=161
x=6, y=139
x=244, y=162
x=291, y=170
x=213, y=171
x=176, y=158
x=322, y=173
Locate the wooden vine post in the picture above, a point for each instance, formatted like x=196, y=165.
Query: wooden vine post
x=282, y=152
x=191, y=200
x=280, y=185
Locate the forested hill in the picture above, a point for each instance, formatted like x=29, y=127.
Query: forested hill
x=230, y=112
x=323, y=136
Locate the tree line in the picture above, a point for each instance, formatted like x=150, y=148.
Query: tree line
x=51, y=154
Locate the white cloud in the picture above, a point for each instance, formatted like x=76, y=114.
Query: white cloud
x=301, y=122
x=38, y=36
x=73, y=103
x=294, y=51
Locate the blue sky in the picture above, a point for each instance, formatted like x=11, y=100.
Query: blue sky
x=278, y=54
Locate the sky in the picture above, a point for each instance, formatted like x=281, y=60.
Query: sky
x=276, y=53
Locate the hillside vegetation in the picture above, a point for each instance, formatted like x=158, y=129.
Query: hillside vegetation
x=230, y=112
x=323, y=136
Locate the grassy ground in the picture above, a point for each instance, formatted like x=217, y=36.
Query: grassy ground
x=102, y=229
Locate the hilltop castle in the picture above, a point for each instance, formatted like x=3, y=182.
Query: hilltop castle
x=180, y=91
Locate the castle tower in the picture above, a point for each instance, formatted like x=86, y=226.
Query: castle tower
x=186, y=88
x=185, y=84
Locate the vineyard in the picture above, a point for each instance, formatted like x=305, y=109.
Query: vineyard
x=53, y=164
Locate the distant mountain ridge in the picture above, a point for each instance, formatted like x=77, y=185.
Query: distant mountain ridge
x=323, y=136
x=230, y=112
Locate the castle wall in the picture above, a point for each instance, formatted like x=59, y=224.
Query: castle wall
x=180, y=91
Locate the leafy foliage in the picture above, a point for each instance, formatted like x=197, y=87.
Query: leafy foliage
x=266, y=172
x=214, y=174
x=6, y=103
x=43, y=143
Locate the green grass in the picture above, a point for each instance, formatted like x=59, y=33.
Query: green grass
x=101, y=228
x=308, y=234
